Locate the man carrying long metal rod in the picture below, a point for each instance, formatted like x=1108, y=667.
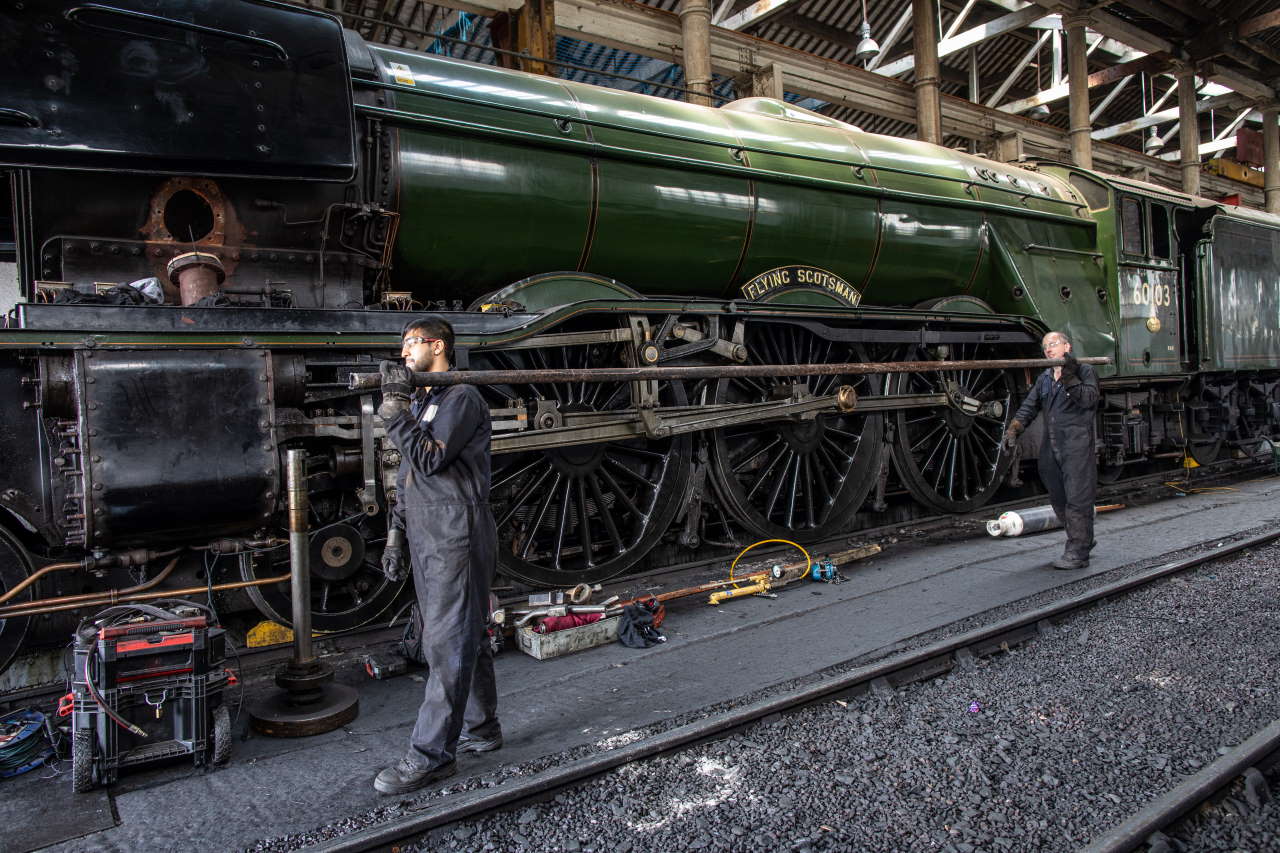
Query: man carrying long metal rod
x=443, y=512
x=1068, y=396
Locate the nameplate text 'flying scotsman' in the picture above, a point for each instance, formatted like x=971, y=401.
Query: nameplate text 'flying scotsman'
x=801, y=276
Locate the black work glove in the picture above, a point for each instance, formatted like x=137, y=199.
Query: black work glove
x=396, y=388
x=1011, y=434
x=1070, y=369
x=393, y=556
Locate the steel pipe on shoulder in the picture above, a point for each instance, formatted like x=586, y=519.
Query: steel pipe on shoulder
x=365, y=381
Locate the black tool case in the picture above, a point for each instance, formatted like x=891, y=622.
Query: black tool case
x=164, y=678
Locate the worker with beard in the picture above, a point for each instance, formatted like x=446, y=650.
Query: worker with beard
x=1068, y=395
x=442, y=513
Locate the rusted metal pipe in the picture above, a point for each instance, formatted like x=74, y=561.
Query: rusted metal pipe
x=196, y=275
x=105, y=598
x=136, y=557
x=365, y=381
x=66, y=599
x=29, y=580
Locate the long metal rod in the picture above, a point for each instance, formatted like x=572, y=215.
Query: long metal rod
x=300, y=555
x=363, y=381
x=35, y=608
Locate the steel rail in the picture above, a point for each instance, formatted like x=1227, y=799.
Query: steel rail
x=1166, y=810
x=365, y=381
x=904, y=668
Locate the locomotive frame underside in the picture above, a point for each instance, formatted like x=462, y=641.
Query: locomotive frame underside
x=590, y=479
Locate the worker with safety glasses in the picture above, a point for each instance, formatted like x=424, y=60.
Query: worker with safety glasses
x=442, y=513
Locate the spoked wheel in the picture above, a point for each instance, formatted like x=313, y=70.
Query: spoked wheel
x=952, y=457
x=587, y=512
x=13, y=570
x=348, y=588
x=798, y=478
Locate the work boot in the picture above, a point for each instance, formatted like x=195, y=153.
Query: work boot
x=1080, y=539
x=469, y=743
x=410, y=774
x=1069, y=561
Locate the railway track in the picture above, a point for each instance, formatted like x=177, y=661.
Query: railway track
x=917, y=665
x=1147, y=827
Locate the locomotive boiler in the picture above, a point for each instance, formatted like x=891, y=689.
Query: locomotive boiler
x=223, y=211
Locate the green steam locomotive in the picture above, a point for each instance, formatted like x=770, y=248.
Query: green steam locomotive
x=222, y=211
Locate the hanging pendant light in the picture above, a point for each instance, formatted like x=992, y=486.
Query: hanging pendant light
x=1154, y=143
x=867, y=48
x=1039, y=112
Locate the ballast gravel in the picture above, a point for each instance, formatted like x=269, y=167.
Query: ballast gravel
x=1247, y=819
x=1042, y=747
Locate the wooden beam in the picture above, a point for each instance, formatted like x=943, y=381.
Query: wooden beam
x=895, y=33
x=757, y=13
x=1150, y=64
x=1253, y=26
x=1237, y=81
x=968, y=38
x=1017, y=70
x=1111, y=26
x=1160, y=117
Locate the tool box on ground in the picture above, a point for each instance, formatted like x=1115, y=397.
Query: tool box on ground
x=556, y=643
x=148, y=686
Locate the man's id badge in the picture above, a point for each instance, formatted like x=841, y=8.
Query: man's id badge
x=430, y=414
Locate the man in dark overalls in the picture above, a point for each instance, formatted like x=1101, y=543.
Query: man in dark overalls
x=443, y=513
x=1069, y=396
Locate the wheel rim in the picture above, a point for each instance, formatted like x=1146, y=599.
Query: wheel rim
x=947, y=459
x=13, y=570
x=348, y=588
x=584, y=513
x=795, y=479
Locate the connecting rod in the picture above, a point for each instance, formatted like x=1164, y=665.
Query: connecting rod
x=365, y=381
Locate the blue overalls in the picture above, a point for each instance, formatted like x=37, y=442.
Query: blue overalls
x=443, y=507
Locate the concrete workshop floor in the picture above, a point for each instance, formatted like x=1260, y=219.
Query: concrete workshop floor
x=273, y=787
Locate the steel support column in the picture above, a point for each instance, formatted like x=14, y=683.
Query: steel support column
x=1189, y=132
x=1271, y=156
x=695, y=27
x=924, y=25
x=1078, y=96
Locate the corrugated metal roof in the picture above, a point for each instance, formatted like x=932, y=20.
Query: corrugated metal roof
x=829, y=29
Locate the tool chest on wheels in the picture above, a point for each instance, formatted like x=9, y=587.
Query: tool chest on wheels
x=145, y=692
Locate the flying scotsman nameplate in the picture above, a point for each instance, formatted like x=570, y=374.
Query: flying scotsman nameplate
x=800, y=276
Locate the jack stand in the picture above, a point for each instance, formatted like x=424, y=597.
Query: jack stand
x=309, y=703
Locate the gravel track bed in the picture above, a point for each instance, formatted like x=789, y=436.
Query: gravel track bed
x=1247, y=819
x=998, y=778
x=1040, y=748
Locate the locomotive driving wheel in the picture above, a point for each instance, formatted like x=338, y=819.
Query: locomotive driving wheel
x=800, y=477
x=586, y=512
x=952, y=457
x=348, y=588
x=14, y=569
